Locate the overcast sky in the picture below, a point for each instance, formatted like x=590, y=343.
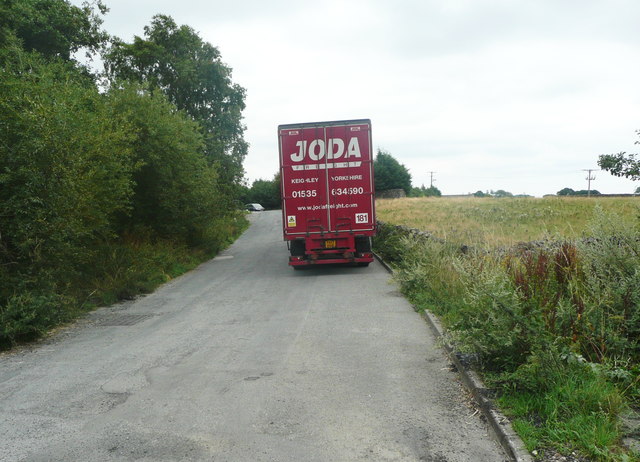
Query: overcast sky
x=489, y=94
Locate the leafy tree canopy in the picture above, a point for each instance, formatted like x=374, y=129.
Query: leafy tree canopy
x=266, y=192
x=502, y=193
x=175, y=189
x=90, y=180
x=390, y=174
x=65, y=165
x=621, y=164
x=191, y=74
x=53, y=28
x=581, y=192
x=566, y=192
x=431, y=191
x=416, y=192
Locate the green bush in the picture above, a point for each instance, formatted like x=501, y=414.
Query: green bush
x=175, y=189
x=265, y=192
x=389, y=243
x=611, y=252
x=493, y=319
x=65, y=169
x=29, y=313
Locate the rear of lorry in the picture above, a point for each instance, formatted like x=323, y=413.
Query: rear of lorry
x=328, y=202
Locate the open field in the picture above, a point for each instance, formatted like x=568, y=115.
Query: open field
x=553, y=328
x=489, y=222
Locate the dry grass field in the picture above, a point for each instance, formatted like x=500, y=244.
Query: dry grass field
x=491, y=222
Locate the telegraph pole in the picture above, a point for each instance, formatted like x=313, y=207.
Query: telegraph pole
x=431, y=173
x=589, y=179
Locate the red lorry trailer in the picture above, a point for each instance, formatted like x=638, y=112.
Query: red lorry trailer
x=328, y=203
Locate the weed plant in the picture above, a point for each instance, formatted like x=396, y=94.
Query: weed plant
x=555, y=325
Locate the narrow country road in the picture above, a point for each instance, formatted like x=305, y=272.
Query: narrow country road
x=243, y=359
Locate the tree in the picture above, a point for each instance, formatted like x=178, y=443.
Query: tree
x=621, y=164
x=190, y=72
x=416, y=192
x=566, y=192
x=175, y=192
x=479, y=193
x=65, y=167
x=390, y=174
x=502, y=193
x=585, y=192
x=581, y=192
x=54, y=28
x=432, y=191
x=266, y=192
x=83, y=171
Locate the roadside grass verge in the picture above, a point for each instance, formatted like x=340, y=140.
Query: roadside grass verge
x=119, y=269
x=554, y=326
x=578, y=410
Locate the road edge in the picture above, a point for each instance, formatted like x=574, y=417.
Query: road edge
x=499, y=424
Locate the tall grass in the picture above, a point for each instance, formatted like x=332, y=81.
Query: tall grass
x=491, y=222
x=555, y=326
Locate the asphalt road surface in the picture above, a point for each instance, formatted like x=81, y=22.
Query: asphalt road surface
x=244, y=359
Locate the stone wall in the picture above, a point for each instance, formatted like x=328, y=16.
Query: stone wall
x=391, y=194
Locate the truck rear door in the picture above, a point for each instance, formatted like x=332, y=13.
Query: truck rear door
x=350, y=189
x=327, y=177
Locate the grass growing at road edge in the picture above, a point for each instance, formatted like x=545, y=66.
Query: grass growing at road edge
x=555, y=327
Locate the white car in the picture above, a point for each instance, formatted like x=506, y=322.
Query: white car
x=254, y=207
